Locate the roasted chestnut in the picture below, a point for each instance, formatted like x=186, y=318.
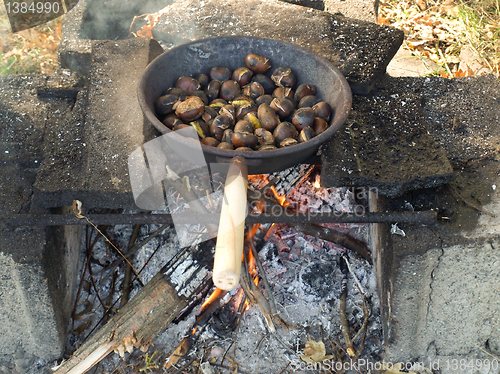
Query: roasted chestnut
x=224, y=145
x=283, y=131
x=245, y=149
x=282, y=106
x=303, y=117
x=229, y=111
x=264, y=99
x=253, y=90
x=171, y=120
x=210, y=141
x=217, y=104
x=242, y=111
x=319, y=125
x=307, y=133
x=308, y=101
x=201, y=94
x=242, y=76
x=282, y=92
x=266, y=147
x=180, y=126
x=229, y=90
x=243, y=126
x=213, y=89
x=264, y=136
x=203, y=79
x=201, y=127
x=288, y=142
x=304, y=89
x=284, y=76
x=266, y=82
x=244, y=139
x=165, y=104
x=220, y=73
x=179, y=92
x=322, y=110
x=188, y=84
x=227, y=137
x=257, y=64
x=209, y=114
x=253, y=119
x=267, y=117
x=220, y=124
x=190, y=109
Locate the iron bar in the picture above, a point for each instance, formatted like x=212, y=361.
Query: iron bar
x=283, y=216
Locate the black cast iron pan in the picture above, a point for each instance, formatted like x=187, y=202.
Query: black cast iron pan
x=199, y=57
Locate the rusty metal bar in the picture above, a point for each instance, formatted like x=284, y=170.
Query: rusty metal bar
x=424, y=218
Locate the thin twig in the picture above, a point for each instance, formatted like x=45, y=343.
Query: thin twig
x=343, y=309
x=127, y=281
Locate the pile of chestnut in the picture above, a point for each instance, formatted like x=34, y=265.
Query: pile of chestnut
x=244, y=109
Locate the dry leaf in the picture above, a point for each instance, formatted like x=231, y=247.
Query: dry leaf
x=315, y=352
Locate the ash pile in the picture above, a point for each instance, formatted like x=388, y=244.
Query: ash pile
x=305, y=303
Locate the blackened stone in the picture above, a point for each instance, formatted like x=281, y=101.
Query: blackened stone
x=361, y=50
x=385, y=145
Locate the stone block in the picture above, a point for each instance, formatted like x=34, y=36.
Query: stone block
x=360, y=49
x=87, y=155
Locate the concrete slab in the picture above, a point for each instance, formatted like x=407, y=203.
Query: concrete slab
x=31, y=321
x=87, y=155
x=360, y=49
x=366, y=10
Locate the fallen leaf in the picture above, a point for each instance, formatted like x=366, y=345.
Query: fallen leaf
x=315, y=352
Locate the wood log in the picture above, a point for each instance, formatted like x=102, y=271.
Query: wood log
x=140, y=321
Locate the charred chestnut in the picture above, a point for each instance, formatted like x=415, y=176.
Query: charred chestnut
x=322, y=110
x=203, y=79
x=209, y=114
x=266, y=82
x=305, y=89
x=227, y=137
x=288, y=142
x=302, y=118
x=213, y=89
x=229, y=90
x=306, y=134
x=190, y=109
x=212, y=142
x=171, y=120
x=244, y=139
x=257, y=64
x=242, y=111
x=243, y=126
x=220, y=73
x=264, y=136
x=267, y=117
x=224, y=145
x=282, y=106
x=264, y=99
x=229, y=111
x=308, y=101
x=284, y=76
x=253, y=90
x=243, y=76
x=220, y=124
x=188, y=84
x=165, y=104
x=283, y=131
x=319, y=125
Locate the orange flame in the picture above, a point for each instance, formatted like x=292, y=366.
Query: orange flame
x=317, y=183
x=214, y=296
